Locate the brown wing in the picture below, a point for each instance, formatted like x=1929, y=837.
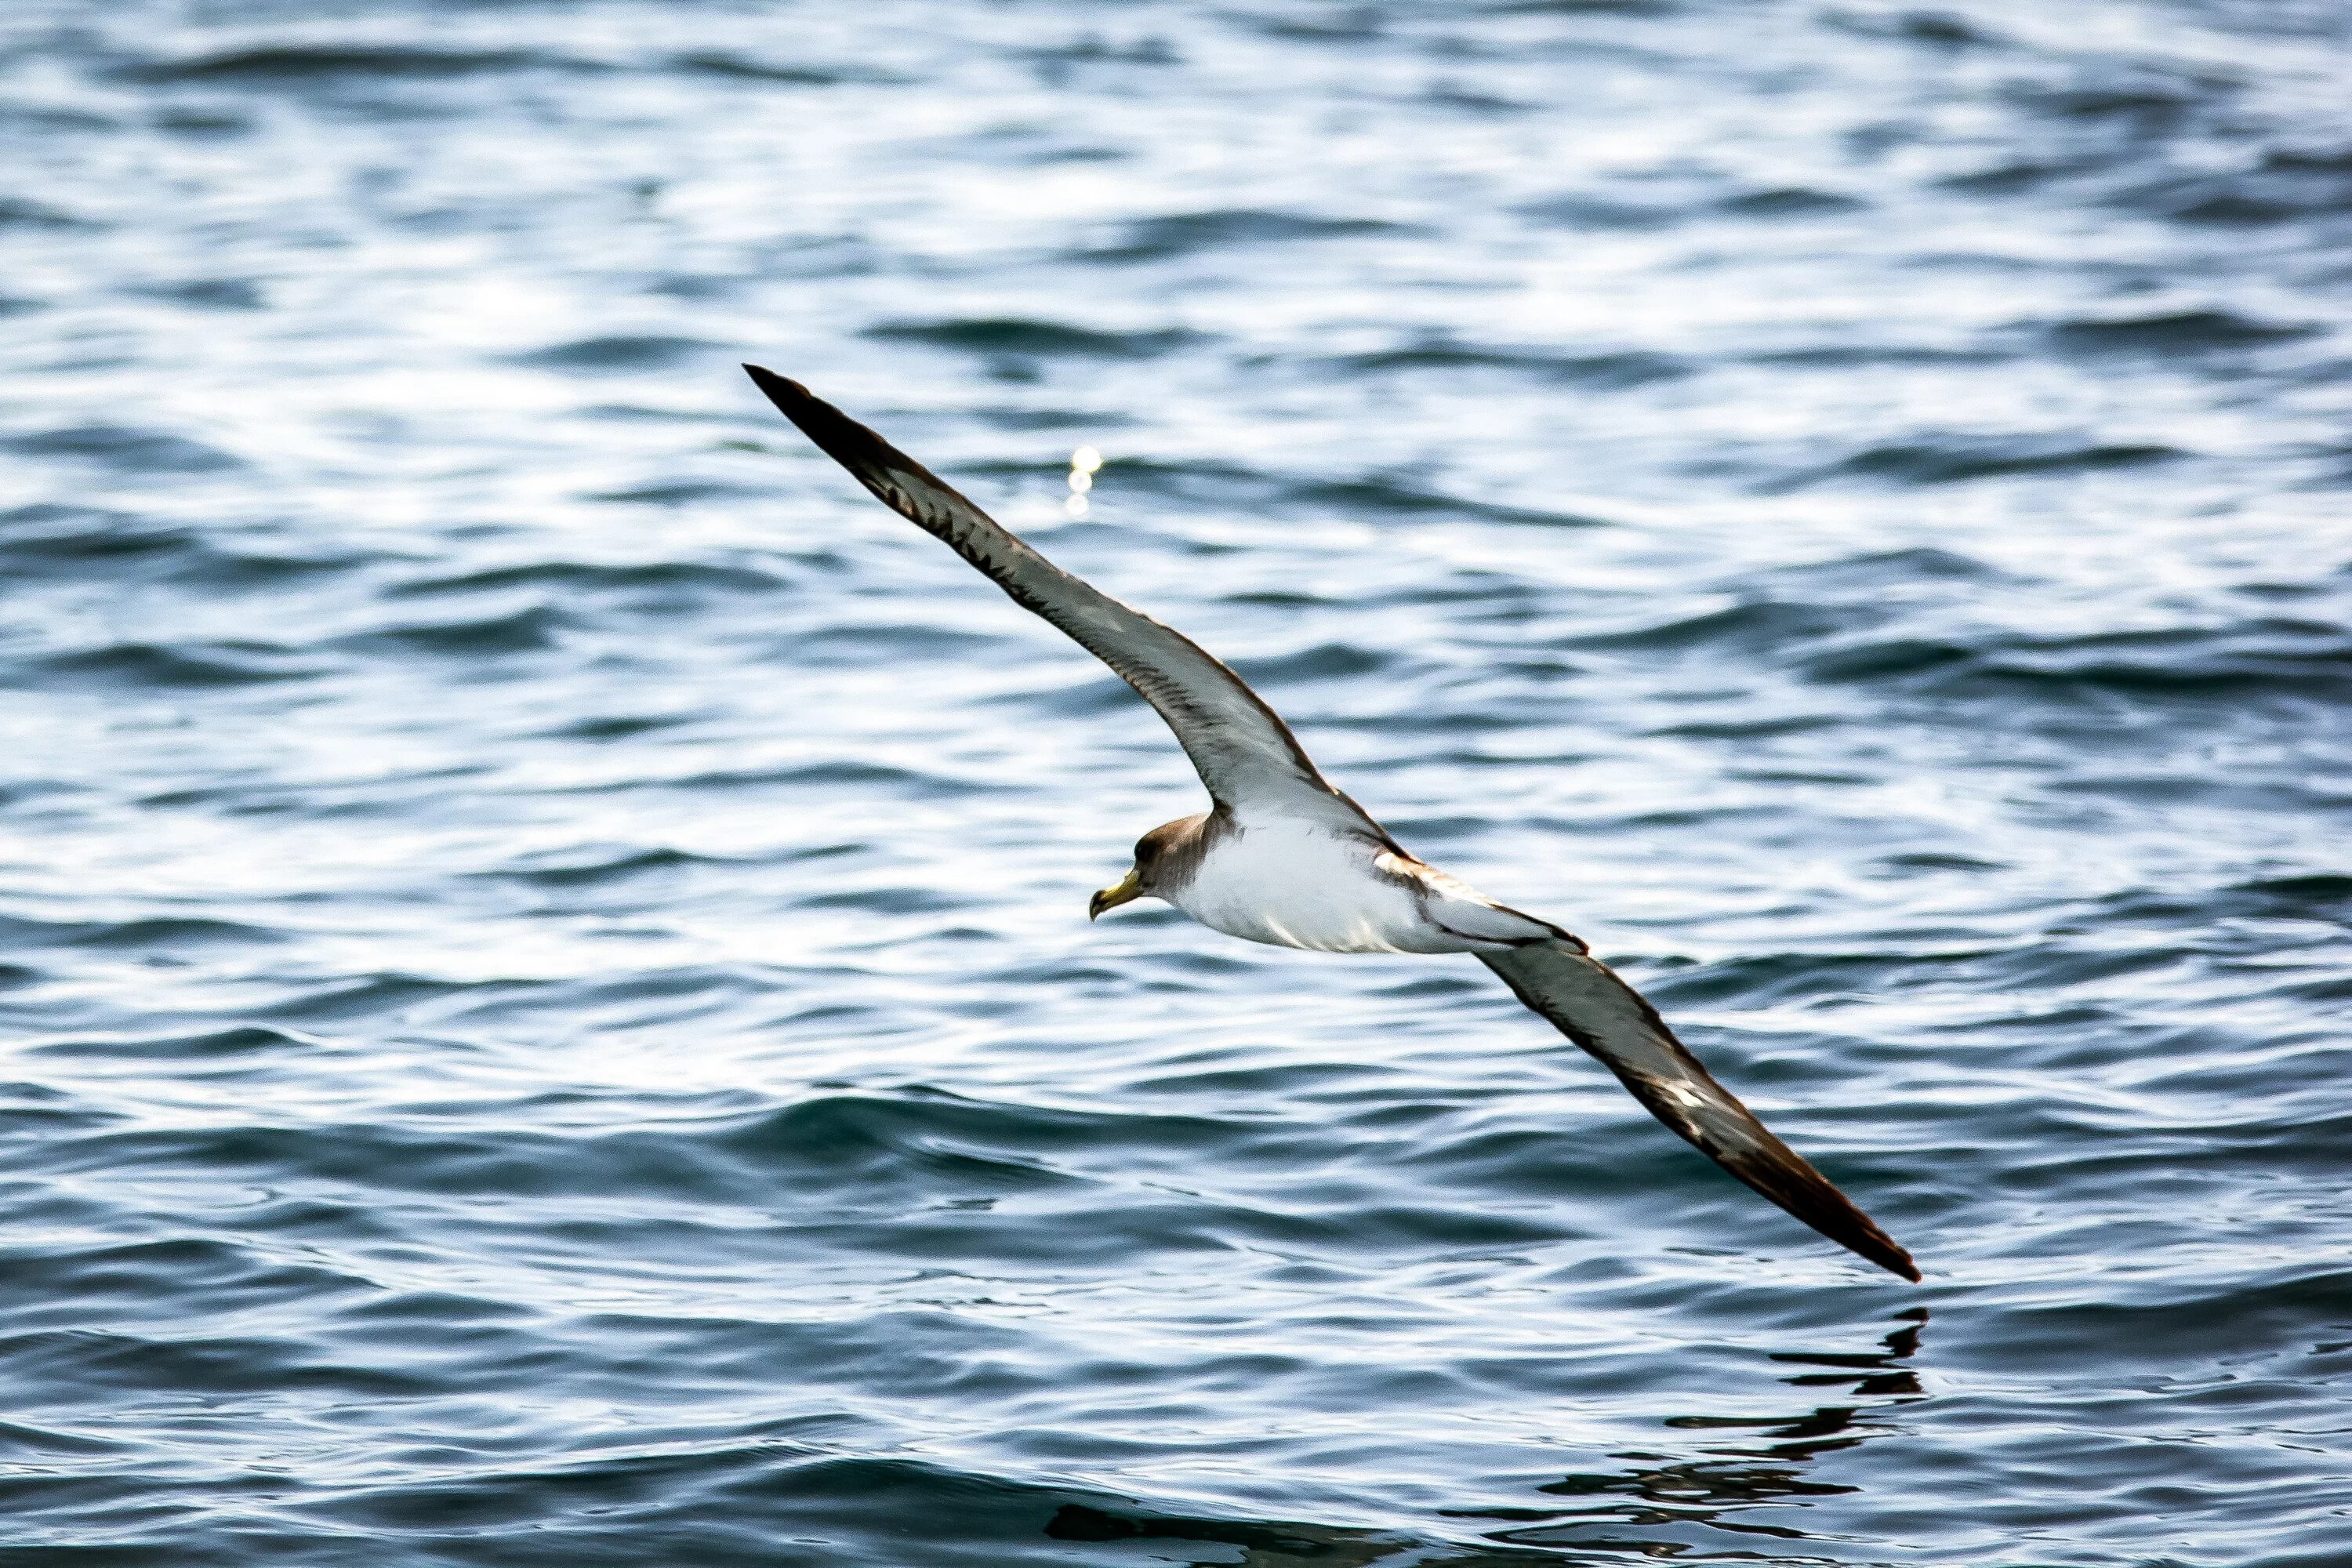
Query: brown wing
x=1243, y=752
x=1587, y=1002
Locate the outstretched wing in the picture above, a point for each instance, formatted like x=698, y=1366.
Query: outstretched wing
x=1587, y=1002
x=1243, y=752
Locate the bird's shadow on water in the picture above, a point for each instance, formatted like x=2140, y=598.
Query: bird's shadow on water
x=1662, y=1507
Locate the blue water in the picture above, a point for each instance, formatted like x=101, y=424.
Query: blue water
x=548, y=1012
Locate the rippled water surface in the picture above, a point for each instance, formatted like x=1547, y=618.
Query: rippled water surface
x=550, y=1013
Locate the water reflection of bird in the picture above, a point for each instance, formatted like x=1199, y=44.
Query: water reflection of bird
x=1650, y=1511
x=1282, y=856
x=1719, y=1491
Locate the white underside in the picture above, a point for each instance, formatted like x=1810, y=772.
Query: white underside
x=1299, y=884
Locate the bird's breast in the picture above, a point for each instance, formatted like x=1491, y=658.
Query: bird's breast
x=1301, y=887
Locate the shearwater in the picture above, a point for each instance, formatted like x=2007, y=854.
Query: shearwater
x=1282, y=856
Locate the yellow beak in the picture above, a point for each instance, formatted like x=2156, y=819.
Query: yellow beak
x=1129, y=890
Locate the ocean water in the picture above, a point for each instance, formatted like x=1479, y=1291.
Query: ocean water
x=548, y=1007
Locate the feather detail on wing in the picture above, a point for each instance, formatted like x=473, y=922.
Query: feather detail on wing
x=1243, y=751
x=1587, y=1002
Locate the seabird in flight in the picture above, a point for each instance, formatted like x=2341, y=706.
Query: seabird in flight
x=1282, y=856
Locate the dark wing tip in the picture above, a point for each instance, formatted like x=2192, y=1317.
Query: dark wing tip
x=1876, y=1244
x=782, y=390
x=844, y=440
x=797, y=403
x=1788, y=1180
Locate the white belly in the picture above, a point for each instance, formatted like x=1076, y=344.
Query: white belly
x=1296, y=886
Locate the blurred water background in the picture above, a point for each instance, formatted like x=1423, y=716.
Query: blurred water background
x=549, y=1013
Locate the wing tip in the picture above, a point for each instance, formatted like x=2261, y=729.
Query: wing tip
x=1819, y=1204
x=1890, y=1256
x=792, y=400
x=787, y=394
x=1792, y=1182
x=764, y=378
x=835, y=434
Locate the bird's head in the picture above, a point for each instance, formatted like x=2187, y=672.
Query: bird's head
x=1163, y=857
